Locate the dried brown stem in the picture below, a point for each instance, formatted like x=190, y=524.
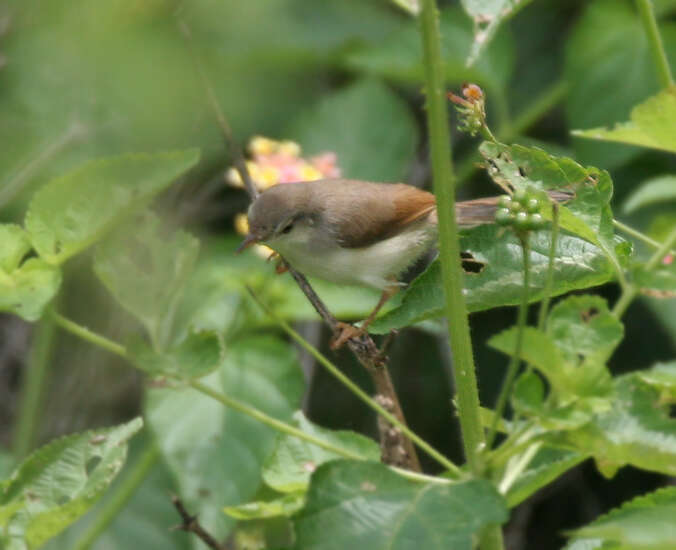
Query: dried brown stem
x=192, y=525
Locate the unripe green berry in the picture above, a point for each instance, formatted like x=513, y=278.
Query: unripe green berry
x=503, y=216
x=515, y=207
x=521, y=221
x=535, y=221
x=504, y=201
x=520, y=196
x=533, y=206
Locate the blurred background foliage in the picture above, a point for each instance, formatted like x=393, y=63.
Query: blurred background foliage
x=81, y=79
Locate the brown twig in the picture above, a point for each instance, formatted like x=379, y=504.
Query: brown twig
x=363, y=347
x=192, y=525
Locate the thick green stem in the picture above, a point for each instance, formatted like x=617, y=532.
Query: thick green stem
x=515, y=360
x=361, y=394
x=120, y=496
x=630, y=291
x=36, y=375
x=85, y=334
x=645, y=10
x=449, y=249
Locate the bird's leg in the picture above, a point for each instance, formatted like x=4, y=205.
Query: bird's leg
x=345, y=331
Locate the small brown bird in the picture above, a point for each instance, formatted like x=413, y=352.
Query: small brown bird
x=353, y=232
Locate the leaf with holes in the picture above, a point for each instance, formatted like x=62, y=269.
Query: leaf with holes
x=494, y=274
x=366, y=505
x=652, y=124
x=198, y=354
x=145, y=270
x=488, y=15
x=25, y=288
x=215, y=453
x=292, y=462
x=653, y=191
x=644, y=523
x=284, y=506
x=74, y=211
x=59, y=482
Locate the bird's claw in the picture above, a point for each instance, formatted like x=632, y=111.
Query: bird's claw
x=344, y=332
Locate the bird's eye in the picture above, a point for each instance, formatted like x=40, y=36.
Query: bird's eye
x=287, y=229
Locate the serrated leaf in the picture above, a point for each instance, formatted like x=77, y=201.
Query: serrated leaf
x=644, y=523
x=60, y=481
x=145, y=270
x=365, y=505
x=72, y=212
x=652, y=124
x=27, y=290
x=653, y=191
x=547, y=465
x=284, y=506
x=291, y=464
x=578, y=264
x=197, y=355
x=488, y=15
x=215, y=453
x=609, y=42
x=399, y=56
x=14, y=244
x=662, y=377
x=355, y=121
x=528, y=394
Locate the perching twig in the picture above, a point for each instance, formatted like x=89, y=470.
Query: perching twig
x=192, y=525
x=363, y=346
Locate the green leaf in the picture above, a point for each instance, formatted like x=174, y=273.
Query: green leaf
x=607, y=44
x=357, y=121
x=488, y=15
x=547, y=465
x=72, y=212
x=644, y=523
x=659, y=282
x=366, y=505
x=145, y=270
x=578, y=264
x=214, y=453
x=528, y=394
x=197, y=355
x=14, y=244
x=27, y=290
x=285, y=506
x=652, y=124
x=653, y=191
x=399, y=56
x=411, y=6
x=59, y=482
x=291, y=464
x=662, y=377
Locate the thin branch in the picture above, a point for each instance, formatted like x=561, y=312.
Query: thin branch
x=363, y=347
x=192, y=525
x=645, y=10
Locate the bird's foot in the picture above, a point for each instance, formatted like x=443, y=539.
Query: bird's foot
x=344, y=332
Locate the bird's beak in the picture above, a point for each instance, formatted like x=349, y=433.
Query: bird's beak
x=249, y=240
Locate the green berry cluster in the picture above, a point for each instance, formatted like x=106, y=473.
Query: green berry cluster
x=520, y=211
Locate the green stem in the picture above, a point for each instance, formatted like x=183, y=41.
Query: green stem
x=630, y=291
x=449, y=249
x=549, y=284
x=361, y=394
x=33, y=387
x=119, y=497
x=645, y=10
x=542, y=105
x=638, y=235
x=515, y=360
x=270, y=421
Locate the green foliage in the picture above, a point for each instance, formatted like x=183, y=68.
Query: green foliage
x=290, y=465
x=653, y=191
x=145, y=271
x=608, y=44
x=286, y=505
x=60, y=482
x=652, y=124
x=644, y=523
x=398, y=57
x=343, y=496
x=215, y=454
x=73, y=211
x=367, y=109
x=411, y=6
x=488, y=15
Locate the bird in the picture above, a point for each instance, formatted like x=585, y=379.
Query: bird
x=354, y=232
